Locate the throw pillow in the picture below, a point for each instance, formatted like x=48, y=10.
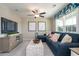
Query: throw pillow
x=66, y=39
x=50, y=35
x=55, y=37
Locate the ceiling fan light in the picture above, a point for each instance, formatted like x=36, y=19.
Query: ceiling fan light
x=36, y=15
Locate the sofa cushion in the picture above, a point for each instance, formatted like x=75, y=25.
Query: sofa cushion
x=75, y=37
x=55, y=37
x=67, y=39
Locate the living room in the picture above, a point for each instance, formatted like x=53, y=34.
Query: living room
x=23, y=25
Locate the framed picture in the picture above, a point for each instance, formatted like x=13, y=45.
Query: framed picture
x=31, y=26
x=41, y=26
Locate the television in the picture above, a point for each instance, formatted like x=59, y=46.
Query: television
x=8, y=26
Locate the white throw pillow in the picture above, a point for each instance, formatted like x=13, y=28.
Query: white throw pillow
x=66, y=39
x=55, y=37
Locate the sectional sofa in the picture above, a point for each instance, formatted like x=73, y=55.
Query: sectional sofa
x=58, y=48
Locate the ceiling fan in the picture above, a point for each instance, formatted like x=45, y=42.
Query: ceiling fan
x=36, y=13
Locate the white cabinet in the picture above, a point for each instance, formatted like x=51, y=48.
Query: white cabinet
x=74, y=51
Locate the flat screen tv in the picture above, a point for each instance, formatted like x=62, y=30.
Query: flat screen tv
x=8, y=25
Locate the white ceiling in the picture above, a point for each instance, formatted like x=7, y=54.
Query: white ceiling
x=25, y=9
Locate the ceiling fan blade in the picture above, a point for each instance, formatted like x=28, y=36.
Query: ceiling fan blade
x=42, y=16
x=43, y=13
x=33, y=11
x=36, y=11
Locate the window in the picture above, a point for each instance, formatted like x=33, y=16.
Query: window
x=66, y=24
x=59, y=25
x=31, y=26
x=42, y=26
x=70, y=24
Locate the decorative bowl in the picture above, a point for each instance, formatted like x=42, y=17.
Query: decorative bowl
x=36, y=41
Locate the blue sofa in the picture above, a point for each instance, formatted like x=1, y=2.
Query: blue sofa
x=58, y=48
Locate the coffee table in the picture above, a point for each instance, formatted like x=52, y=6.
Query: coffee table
x=35, y=49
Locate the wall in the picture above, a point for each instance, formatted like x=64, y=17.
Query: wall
x=29, y=35
x=77, y=20
x=9, y=14
x=53, y=24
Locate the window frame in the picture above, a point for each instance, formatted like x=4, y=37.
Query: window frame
x=38, y=26
x=29, y=26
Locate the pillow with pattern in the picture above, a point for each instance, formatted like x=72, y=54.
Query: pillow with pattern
x=55, y=37
x=66, y=39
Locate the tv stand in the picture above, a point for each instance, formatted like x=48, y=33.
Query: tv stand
x=10, y=42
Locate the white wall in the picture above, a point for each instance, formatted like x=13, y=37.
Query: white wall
x=9, y=14
x=53, y=24
x=77, y=17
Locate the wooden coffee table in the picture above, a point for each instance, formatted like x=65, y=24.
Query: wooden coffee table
x=35, y=49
